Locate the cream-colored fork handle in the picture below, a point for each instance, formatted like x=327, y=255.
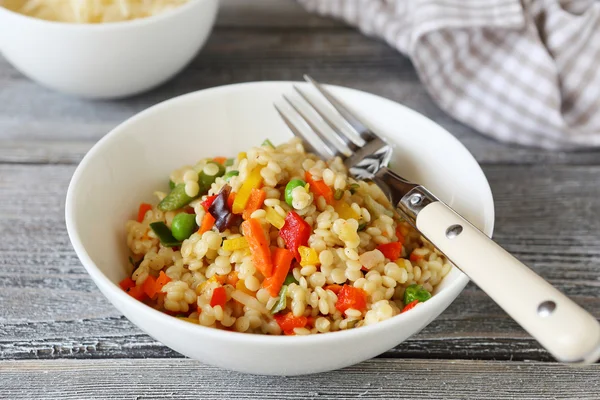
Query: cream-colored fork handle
x=566, y=330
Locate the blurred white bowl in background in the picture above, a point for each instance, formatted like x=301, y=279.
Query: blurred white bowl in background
x=109, y=60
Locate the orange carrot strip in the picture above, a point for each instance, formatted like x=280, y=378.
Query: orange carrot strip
x=207, y=223
x=149, y=287
x=257, y=197
x=335, y=288
x=127, y=283
x=220, y=160
x=232, y=278
x=319, y=188
x=259, y=246
x=230, y=200
x=415, y=257
x=144, y=208
x=282, y=261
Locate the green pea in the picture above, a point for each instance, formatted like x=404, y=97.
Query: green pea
x=293, y=184
x=230, y=175
x=415, y=292
x=183, y=226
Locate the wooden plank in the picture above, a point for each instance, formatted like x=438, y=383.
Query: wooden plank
x=52, y=309
x=38, y=125
x=374, y=379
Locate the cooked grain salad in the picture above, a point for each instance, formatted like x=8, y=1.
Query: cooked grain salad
x=277, y=241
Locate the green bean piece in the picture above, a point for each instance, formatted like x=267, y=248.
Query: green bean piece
x=289, y=279
x=171, y=184
x=282, y=302
x=267, y=143
x=183, y=225
x=164, y=234
x=176, y=199
x=415, y=292
x=205, y=180
x=230, y=174
x=229, y=162
x=293, y=184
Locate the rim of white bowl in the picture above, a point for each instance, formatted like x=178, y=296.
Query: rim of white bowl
x=104, y=25
x=417, y=314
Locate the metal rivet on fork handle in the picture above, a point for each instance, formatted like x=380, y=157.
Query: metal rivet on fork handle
x=453, y=231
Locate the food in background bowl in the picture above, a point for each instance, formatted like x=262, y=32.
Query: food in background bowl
x=277, y=241
x=90, y=11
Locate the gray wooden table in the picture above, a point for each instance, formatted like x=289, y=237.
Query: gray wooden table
x=60, y=338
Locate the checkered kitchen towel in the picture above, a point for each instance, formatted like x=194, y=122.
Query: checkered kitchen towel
x=522, y=71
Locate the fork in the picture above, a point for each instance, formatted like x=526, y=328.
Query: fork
x=565, y=329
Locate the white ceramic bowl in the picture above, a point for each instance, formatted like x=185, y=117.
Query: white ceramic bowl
x=109, y=60
x=127, y=165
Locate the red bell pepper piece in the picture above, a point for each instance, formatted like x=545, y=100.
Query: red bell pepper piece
x=219, y=297
x=391, y=251
x=410, y=305
x=208, y=201
x=295, y=233
x=351, y=297
x=288, y=322
x=144, y=208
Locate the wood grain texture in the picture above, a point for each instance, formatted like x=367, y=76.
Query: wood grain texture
x=53, y=310
x=374, y=379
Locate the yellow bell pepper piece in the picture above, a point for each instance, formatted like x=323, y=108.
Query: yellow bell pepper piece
x=253, y=181
x=241, y=156
x=241, y=286
x=308, y=256
x=274, y=218
x=192, y=320
x=344, y=210
x=235, y=244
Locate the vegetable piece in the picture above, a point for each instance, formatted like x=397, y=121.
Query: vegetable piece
x=319, y=188
x=205, y=180
x=335, y=288
x=176, y=199
x=338, y=194
x=267, y=143
x=206, y=203
x=220, y=160
x=191, y=320
x=308, y=256
x=282, y=261
x=351, y=297
x=410, y=306
x=399, y=235
x=137, y=293
x=241, y=155
x=149, y=287
x=230, y=174
x=235, y=244
x=230, y=200
x=288, y=322
x=253, y=181
x=162, y=280
x=295, y=232
x=259, y=246
x=171, y=184
x=127, y=283
x=183, y=225
x=232, y=278
x=219, y=209
x=415, y=292
x=362, y=226
x=219, y=297
x=291, y=185
x=250, y=301
x=344, y=210
x=229, y=162
x=274, y=218
x=207, y=223
x=164, y=234
x=241, y=285
x=375, y=209
x=414, y=257
x=257, y=197
x=144, y=208
x=353, y=188
x=290, y=279
x=391, y=251
x=282, y=302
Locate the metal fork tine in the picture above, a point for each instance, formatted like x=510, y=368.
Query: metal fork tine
x=364, y=132
x=350, y=142
x=298, y=133
x=335, y=149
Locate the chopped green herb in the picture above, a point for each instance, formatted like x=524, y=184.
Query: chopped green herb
x=338, y=194
x=282, y=302
x=267, y=143
x=353, y=187
x=164, y=234
x=362, y=226
x=415, y=292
